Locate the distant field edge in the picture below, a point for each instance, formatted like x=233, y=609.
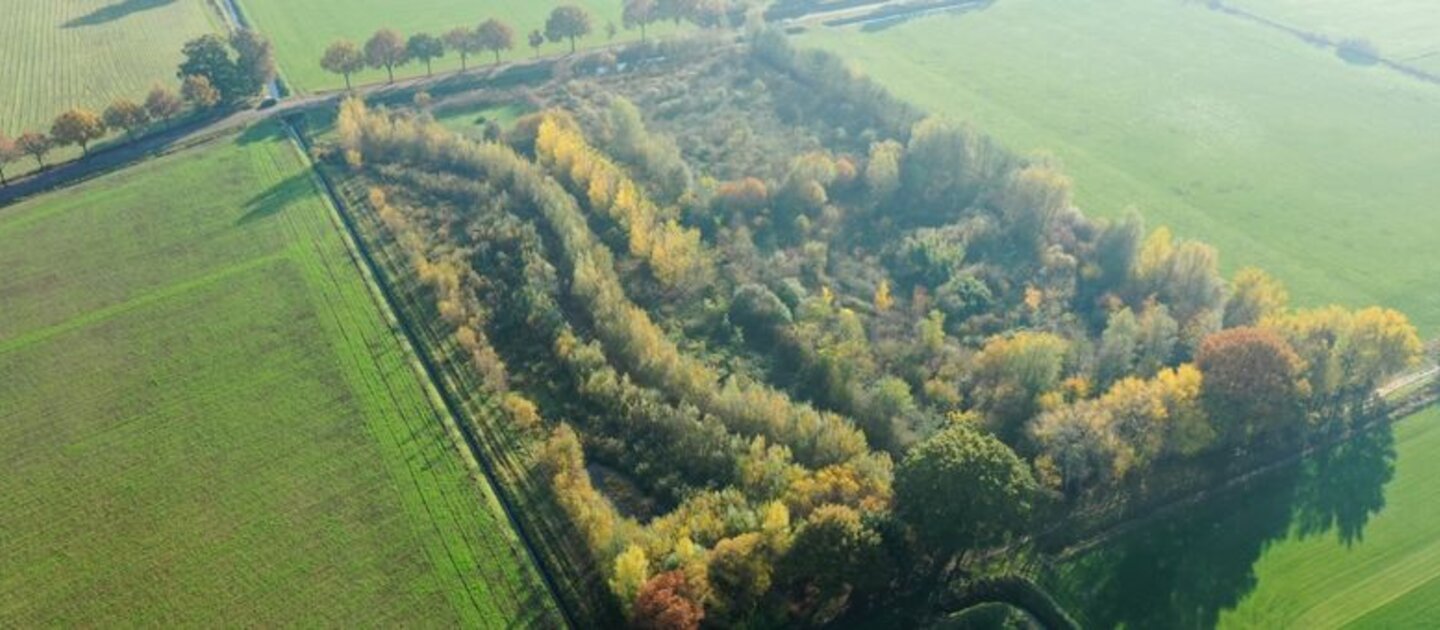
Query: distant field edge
x=1314, y=38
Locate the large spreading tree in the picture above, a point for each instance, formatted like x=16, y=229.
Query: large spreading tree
x=1253, y=388
x=237, y=68
x=963, y=489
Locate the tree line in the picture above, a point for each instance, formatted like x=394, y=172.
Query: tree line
x=216, y=72
x=387, y=49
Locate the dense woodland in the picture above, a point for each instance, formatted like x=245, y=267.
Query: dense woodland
x=789, y=350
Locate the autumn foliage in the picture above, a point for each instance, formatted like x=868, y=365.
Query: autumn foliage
x=667, y=602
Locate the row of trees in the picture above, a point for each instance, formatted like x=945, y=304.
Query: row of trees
x=387, y=49
x=216, y=71
x=674, y=253
x=82, y=127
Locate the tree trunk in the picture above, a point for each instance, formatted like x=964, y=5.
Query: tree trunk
x=464, y=61
x=572, y=45
x=428, y=71
x=347, y=82
x=390, y=69
x=84, y=149
x=3, y=181
x=497, y=56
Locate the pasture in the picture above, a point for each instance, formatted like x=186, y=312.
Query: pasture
x=1279, y=153
x=302, y=29
x=85, y=53
x=1406, y=31
x=1350, y=538
x=206, y=417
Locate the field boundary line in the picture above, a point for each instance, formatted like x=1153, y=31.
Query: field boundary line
x=1321, y=41
x=104, y=313
x=450, y=410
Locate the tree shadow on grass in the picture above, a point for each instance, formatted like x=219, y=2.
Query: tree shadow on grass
x=1184, y=571
x=263, y=132
x=116, y=11
x=277, y=198
x=1346, y=486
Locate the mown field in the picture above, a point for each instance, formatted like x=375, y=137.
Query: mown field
x=301, y=29
x=1279, y=153
x=206, y=417
x=1352, y=538
x=1407, y=31
x=67, y=53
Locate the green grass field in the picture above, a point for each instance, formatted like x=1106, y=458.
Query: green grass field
x=85, y=53
x=1407, y=31
x=301, y=29
x=206, y=417
x=1349, y=541
x=466, y=120
x=1281, y=154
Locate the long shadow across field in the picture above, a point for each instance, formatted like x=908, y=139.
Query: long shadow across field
x=1184, y=571
x=117, y=11
x=278, y=197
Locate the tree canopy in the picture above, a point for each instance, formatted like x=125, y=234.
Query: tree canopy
x=962, y=489
x=568, y=22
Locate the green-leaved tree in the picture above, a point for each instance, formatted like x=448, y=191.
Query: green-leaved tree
x=343, y=58
x=567, y=22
